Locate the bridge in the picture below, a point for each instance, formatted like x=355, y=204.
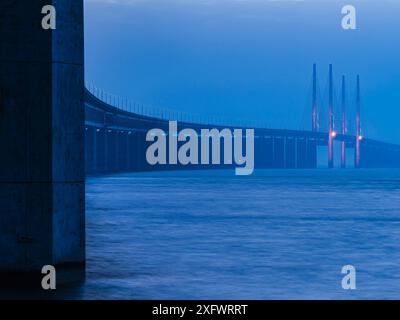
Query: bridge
x=115, y=138
x=47, y=118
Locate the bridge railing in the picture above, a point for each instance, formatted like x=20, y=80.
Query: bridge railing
x=133, y=107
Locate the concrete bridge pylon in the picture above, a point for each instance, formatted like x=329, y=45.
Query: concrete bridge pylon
x=42, y=198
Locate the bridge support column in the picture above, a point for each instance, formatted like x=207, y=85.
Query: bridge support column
x=301, y=153
x=344, y=131
x=42, y=139
x=270, y=151
x=95, y=152
x=128, y=154
x=290, y=162
x=101, y=142
x=357, y=159
x=132, y=151
x=279, y=152
x=117, y=146
x=331, y=133
x=311, y=153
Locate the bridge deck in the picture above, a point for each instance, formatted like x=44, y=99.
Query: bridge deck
x=116, y=141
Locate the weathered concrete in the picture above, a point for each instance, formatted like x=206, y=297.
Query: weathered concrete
x=41, y=136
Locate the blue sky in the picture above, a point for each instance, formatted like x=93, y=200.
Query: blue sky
x=247, y=59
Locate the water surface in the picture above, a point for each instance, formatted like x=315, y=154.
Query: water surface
x=272, y=235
